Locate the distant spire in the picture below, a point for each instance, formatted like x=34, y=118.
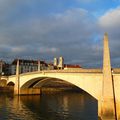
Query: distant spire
x=38, y=65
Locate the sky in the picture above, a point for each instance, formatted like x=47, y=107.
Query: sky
x=74, y=29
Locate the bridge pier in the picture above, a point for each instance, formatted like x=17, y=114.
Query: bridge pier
x=118, y=109
x=27, y=91
x=17, y=81
x=106, y=110
x=107, y=103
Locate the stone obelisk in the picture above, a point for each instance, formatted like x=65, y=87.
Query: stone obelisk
x=107, y=105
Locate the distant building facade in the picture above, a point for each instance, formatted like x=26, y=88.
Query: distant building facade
x=56, y=62
x=50, y=66
x=4, y=68
x=1, y=66
x=61, y=63
x=70, y=66
x=28, y=66
x=34, y=65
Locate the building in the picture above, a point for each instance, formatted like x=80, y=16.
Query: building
x=27, y=66
x=1, y=66
x=34, y=65
x=70, y=66
x=50, y=66
x=56, y=62
x=61, y=63
x=4, y=68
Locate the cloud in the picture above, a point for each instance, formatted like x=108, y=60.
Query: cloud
x=69, y=33
x=18, y=49
x=110, y=19
x=110, y=23
x=47, y=50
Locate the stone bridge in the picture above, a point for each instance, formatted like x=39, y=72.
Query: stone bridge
x=102, y=84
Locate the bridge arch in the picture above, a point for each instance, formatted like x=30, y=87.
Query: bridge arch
x=10, y=83
x=31, y=82
x=41, y=81
x=91, y=82
x=80, y=83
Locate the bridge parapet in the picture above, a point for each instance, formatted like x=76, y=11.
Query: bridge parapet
x=99, y=71
x=77, y=71
x=65, y=71
x=92, y=70
x=4, y=77
x=116, y=70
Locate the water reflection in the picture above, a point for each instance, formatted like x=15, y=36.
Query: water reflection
x=118, y=109
x=60, y=106
x=11, y=108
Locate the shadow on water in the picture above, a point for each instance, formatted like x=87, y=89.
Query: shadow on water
x=62, y=106
x=58, y=106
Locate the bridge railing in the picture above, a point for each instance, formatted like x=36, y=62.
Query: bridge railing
x=64, y=71
x=115, y=71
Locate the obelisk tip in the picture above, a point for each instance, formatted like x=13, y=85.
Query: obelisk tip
x=106, y=34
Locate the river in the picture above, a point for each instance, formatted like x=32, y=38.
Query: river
x=57, y=106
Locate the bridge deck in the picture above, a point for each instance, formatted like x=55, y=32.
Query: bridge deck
x=115, y=71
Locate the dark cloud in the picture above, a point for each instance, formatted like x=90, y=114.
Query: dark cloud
x=69, y=34
x=110, y=22
x=73, y=33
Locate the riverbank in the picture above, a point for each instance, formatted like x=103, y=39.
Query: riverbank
x=53, y=86
x=49, y=90
x=6, y=89
x=43, y=90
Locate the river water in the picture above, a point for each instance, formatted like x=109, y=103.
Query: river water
x=59, y=106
